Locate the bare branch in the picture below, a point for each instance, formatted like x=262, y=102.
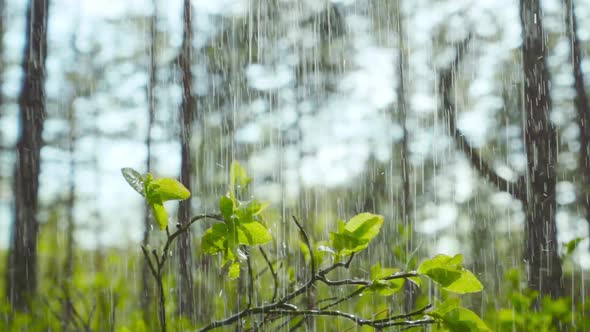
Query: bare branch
x=308, y=244
x=445, y=82
x=250, y=279
x=581, y=102
x=275, y=277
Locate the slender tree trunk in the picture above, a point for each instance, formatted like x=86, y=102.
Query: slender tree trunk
x=410, y=289
x=21, y=282
x=581, y=103
x=186, y=287
x=145, y=298
x=69, y=264
x=540, y=137
x=2, y=28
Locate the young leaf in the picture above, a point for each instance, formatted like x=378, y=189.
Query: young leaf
x=356, y=234
x=445, y=307
x=214, y=239
x=461, y=319
x=134, y=179
x=169, y=189
x=226, y=206
x=572, y=245
x=234, y=270
x=238, y=180
x=364, y=226
x=160, y=214
x=253, y=233
x=345, y=244
x=385, y=287
x=448, y=272
x=467, y=283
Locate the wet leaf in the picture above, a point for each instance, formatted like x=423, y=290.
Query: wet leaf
x=464, y=320
x=226, y=206
x=253, y=233
x=448, y=272
x=170, y=189
x=134, y=179
x=445, y=307
x=238, y=180
x=356, y=234
x=364, y=226
x=572, y=245
x=160, y=214
x=385, y=287
x=234, y=270
x=214, y=239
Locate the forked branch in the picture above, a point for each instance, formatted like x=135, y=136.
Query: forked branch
x=445, y=82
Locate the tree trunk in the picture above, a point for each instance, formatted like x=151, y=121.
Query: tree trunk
x=2, y=29
x=145, y=297
x=186, y=287
x=540, y=136
x=71, y=201
x=581, y=103
x=410, y=290
x=21, y=272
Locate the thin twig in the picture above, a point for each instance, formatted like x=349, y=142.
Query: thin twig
x=161, y=260
x=308, y=244
x=275, y=277
x=147, y=258
x=250, y=279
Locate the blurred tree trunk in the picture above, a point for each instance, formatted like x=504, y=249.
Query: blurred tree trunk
x=71, y=200
x=540, y=136
x=581, y=103
x=186, y=287
x=145, y=274
x=21, y=269
x=536, y=190
x=410, y=290
x=2, y=28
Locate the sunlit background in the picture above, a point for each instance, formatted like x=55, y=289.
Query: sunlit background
x=307, y=99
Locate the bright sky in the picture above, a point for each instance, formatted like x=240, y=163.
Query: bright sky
x=350, y=126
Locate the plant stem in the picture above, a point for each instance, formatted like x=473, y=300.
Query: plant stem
x=161, y=304
x=157, y=268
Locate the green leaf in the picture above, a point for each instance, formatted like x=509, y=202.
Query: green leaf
x=448, y=272
x=464, y=320
x=345, y=244
x=416, y=281
x=509, y=317
x=572, y=245
x=385, y=287
x=226, y=206
x=249, y=211
x=364, y=226
x=134, y=179
x=215, y=239
x=160, y=214
x=238, y=180
x=234, y=270
x=467, y=283
x=356, y=234
x=253, y=233
x=445, y=307
x=169, y=189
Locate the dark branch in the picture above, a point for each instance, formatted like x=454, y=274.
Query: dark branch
x=250, y=279
x=581, y=102
x=281, y=308
x=275, y=277
x=308, y=244
x=445, y=82
x=147, y=258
